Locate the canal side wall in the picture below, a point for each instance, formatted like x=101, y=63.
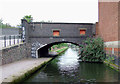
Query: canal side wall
x=20, y=77
x=15, y=53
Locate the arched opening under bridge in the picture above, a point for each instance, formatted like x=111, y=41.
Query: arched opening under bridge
x=44, y=51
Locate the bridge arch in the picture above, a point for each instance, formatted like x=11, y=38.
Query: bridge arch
x=43, y=51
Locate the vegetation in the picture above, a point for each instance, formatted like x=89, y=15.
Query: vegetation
x=5, y=25
x=61, y=50
x=29, y=18
x=92, y=50
x=112, y=62
x=110, y=59
x=59, y=45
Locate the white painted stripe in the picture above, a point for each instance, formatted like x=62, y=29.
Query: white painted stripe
x=113, y=44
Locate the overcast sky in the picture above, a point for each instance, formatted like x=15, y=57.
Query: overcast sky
x=80, y=11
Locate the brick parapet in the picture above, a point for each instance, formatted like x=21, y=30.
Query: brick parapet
x=15, y=53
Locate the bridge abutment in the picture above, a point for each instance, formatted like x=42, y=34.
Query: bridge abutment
x=43, y=52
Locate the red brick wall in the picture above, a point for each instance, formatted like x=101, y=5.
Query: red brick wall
x=119, y=22
x=108, y=21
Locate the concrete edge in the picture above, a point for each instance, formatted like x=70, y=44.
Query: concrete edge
x=25, y=74
x=12, y=46
x=113, y=66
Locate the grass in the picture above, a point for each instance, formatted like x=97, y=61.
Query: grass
x=113, y=66
x=58, y=51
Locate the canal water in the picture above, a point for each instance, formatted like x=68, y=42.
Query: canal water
x=68, y=68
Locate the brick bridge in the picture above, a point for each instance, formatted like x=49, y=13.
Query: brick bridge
x=43, y=35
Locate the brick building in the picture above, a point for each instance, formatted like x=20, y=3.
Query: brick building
x=108, y=26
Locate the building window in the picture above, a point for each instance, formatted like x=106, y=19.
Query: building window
x=56, y=32
x=82, y=31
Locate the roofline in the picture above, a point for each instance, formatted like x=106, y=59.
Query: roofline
x=60, y=23
x=57, y=23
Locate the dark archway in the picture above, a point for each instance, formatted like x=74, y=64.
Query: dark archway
x=43, y=52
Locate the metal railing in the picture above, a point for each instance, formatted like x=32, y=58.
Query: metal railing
x=9, y=40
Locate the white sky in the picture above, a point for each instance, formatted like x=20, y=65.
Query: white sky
x=80, y=11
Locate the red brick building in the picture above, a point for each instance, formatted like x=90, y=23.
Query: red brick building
x=108, y=26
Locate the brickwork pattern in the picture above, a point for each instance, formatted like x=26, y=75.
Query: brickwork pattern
x=15, y=53
x=119, y=27
x=108, y=21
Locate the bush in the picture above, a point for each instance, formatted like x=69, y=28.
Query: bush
x=92, y=50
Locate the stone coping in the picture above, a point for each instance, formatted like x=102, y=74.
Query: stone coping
x=12, y=46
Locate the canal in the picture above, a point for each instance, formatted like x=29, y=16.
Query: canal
x=68, y=68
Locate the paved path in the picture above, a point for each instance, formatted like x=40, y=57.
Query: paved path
x=54, y=52
x=15, y=68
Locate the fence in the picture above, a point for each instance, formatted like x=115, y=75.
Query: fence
x=112, y=55
x=9, y=40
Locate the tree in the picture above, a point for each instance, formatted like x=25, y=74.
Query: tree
x=1, y=23
x=92, y=50
x=29, y=18
x=19, y=26
x=7, y=25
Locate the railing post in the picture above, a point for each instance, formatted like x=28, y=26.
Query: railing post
x=10, y=40
x=14, y=39
x=4, y=41
x=18, y=39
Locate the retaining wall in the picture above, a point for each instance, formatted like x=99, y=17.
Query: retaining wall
x=15, y=53
x=11, y=31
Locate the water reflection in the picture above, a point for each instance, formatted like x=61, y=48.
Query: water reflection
x=67, y=68
x=68, y=62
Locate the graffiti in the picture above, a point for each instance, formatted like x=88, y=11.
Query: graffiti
x=34, y=48
x=23, y=34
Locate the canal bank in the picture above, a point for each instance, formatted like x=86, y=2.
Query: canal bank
x=67, y=68
x=112, y=65
x=20, y=70
x=17, y=71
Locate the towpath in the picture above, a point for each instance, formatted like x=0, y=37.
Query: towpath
x=9, y=72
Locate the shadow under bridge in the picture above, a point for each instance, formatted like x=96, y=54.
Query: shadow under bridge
x=44, y=51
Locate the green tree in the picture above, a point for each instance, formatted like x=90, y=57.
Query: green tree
x=1, y=23
x=29, y=18
x=92, y=50
x=1, y=20
x=7, y=25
